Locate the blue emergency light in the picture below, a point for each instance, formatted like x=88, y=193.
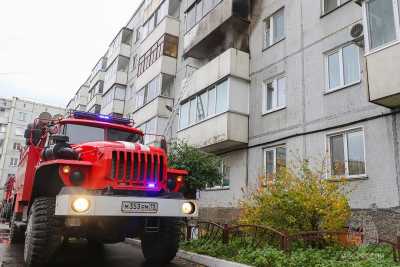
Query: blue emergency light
x=101, y=117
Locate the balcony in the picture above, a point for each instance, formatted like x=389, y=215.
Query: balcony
x=120, y=46
x=95, y=101
x=98, y=72
x=383, y=78
x=117, y=73
x=225, y=26
x=156, y=107
x=113, y=101
x=215, y=110
x=160, y=58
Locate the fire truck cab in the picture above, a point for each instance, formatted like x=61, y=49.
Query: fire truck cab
x=90, y=176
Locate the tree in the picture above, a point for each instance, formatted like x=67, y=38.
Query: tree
x=296, y=202
x=203, y=168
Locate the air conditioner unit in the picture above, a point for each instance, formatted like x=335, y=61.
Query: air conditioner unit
x=357, y=33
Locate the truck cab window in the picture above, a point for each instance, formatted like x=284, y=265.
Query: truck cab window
x=118, y=135
x=81, y=134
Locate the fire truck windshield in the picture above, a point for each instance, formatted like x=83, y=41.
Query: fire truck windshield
x=81, y=134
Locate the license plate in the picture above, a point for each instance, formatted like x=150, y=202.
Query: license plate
x=139, y=207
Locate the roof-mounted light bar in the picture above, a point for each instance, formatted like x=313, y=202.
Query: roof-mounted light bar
x=100, y=117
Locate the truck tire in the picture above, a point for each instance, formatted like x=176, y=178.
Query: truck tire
x=17, y=235
x=43, y=233
x=161, y=247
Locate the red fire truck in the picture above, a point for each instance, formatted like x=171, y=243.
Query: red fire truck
x=90, y=176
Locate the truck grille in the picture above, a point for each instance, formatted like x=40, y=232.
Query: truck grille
x=137, y=168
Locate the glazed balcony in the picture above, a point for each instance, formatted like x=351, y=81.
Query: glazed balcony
x=120, y=46
x=215, y=111
x=113, y=101
x=219, y=26
x=117, y=73
x=98, y=72
x=383, y=78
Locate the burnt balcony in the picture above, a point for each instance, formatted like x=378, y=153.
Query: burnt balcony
x=214, y=26
x=383, y=77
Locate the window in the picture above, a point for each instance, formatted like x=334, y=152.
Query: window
x=79, y=134
x=197, y=11
x=19, y=131
x=225, y=181
x=274, y=28
x=329, y=5
x=17, y=146
x=381, y=22
x=160, y=85
x=208, y=103
x=346, y=150
x=343, y=67
x=274, y=160
x=158, y=15
x=274, y=94
x=13, y=162
x=22, y=116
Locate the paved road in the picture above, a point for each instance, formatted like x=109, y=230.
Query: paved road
x=77, y=254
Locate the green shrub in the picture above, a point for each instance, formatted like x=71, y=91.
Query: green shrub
x=364, y=256
x=297, y=201
x=203, y=168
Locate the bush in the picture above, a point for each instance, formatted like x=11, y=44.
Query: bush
x=364, y=256
x=296, y=202
x=203, y=168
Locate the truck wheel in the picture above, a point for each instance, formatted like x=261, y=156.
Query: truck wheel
x=17, y=235
x=161, y=247
x=43, y=233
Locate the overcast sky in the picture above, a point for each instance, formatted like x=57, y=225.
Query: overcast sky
x=48, y=47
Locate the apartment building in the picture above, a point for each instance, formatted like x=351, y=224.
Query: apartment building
x=265, y=83
x=15, y=115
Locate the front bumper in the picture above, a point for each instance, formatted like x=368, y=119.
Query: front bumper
x=122, y=206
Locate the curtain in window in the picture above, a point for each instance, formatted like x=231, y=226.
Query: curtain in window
x=337, y=155
x=222, y=97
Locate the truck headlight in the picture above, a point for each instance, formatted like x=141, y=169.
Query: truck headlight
x=188, y=208
x=81, y=205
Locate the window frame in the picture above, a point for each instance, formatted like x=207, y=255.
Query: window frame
x=342, y=84
x=273, y=80
x=339, y=4
x=344, y=133
x=198, y=95
x=268, y=149
x=396, y=13
x=225, y=173
x=271, y=21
